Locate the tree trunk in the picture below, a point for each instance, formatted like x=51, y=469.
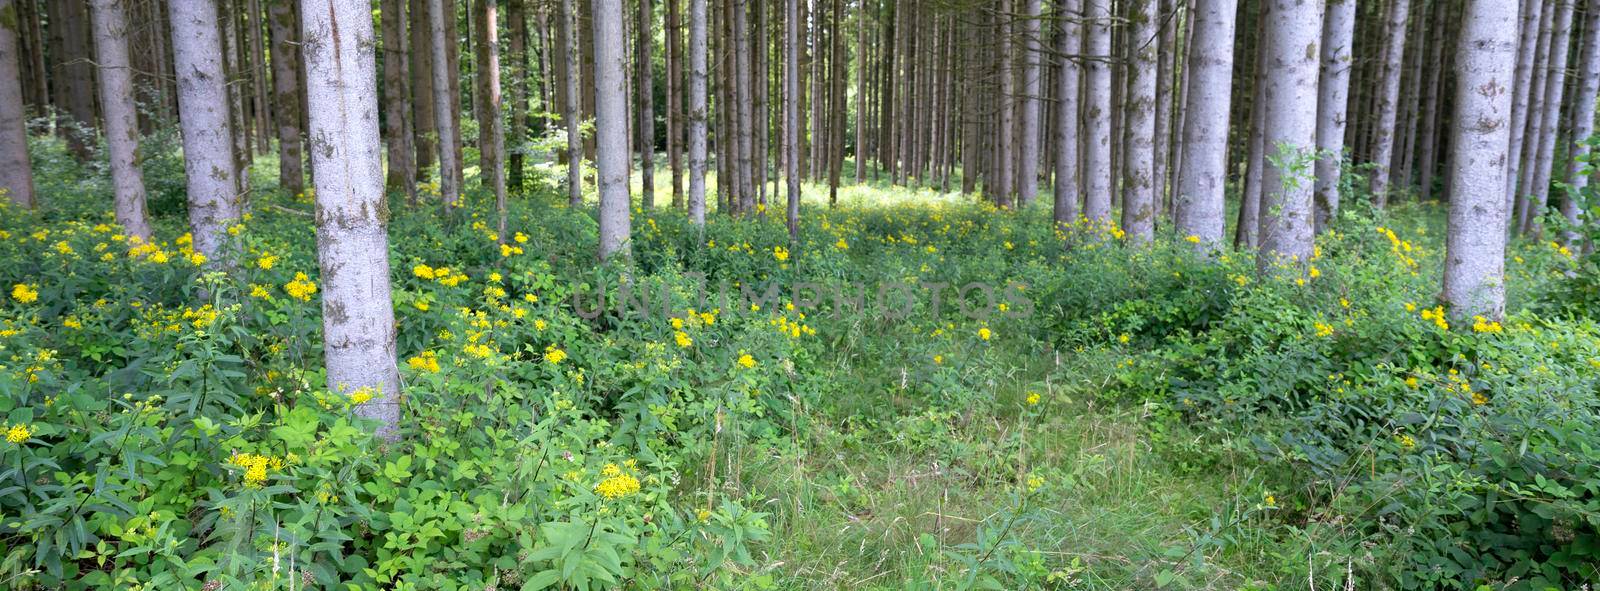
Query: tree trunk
x=1069, y=43
x=1096, y=123
x=647, y=115
x=611, y=127
x=425, y=132
x=1528, y=48
x=203, y=115
x=352, y=236
x=1427, y=159
x=1338, y=31
x=743, y=108
x=516, y=13
x=1474, y=271
x=1560, y=33
x=697, y=112
x=1028, y=148
x=396, y=110
x=1247, y=230
x=674, y=49
x=443, y=112
x=1200, y=203
x=286, y=94
x=491, y=135
x=121, y=118
x=1291, y=133
x=74, y=74
x=571, y=115
x=258, y=75
x=859, y=152
x=1588, y=86
x=791, y=115
x=1138, y=206
x=1388, y=101
x=16, y=172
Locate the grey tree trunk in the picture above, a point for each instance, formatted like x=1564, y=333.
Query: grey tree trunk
x=1005, y=136
x=791, y=116
x=861, y=92
x=647, y=110
x=1474, y=271
x=1200, y=208
x=521, y=84
x=1293, y=38
x=1069, y=42
x=16, y=171
x=358, y=328
x=444, y=117
x=697, y=112
x=396, y=107
x=121, y=116
x=1097, y=122
x=286, y=95
x=675, y=78
x=203, y=115
x=1388, y=101
x=425, y=132
x=1528, y=48
x=1032, y=82
x=1555, y=85
x=611, y=127
x=1338, y=33
x=569, y=38
x=1583, y=114
x=1138, y=192
x=743, y=110
x=491, y=131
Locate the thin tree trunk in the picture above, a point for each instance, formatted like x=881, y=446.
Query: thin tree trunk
x=397, y=112
x=611, y=131
x=491, y=134
x=791, y=115
x=16, y=171
x=1560, y=34
x=203, y=115
x=674, y=76
x=1200, y=209
x=1533, y=122
x=1004, y=150
x=1028, y=157
x=1389, y=100
x=574, y=99
x=1427, y=160
x=1247, y=229
x=743, y=109
x=1138, y=207
x=1097, y=157
x=697, y=112
x=1069, y=43
x=647, y=115
x=1338, y=31
x=352, y=238
x=121, y=120
x=74, y=75
x=258, y=74
x=425, y=132
x=286, y=94
x=443, y=111
x=1588, y=86
x=521, y=82
x=1474, y=271
x=1528, y=47
x=1291, y=131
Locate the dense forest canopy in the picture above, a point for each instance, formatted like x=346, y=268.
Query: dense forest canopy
x=799, y=294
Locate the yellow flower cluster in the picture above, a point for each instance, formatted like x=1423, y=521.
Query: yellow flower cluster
x=426, y=361
x=1436, y=314
x=554, y=354
x=1402, y=249
x=616, y=483
x=682, y=338
x=1481, y=324
x=24, y=293
x=255, y=467
x=443, y=275
x=200, y=318
x=361, y=396
x=1324, y=329
x=301, y=288
x=985, y=334
x=266, y=261
x=780, y=253
x=746, y=360
x=18, y=434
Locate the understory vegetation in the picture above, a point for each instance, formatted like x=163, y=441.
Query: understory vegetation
x=1095, y=417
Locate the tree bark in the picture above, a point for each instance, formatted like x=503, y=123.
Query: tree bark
x=1096, y=123
x=675, y=134
x=16, y=171
x=203, y=115
x=611, y=127
x=1138, y=193
x=1527, y=49
x=521, y=82
x=1338, y=32
x=1069, y=43
x=1291, y=133
x=1560, y=33
x=74, y=75
x=443, y=111
x=352, y=235
x=571, y=115
x=1200, y=203
x=1588, y=86
x=121, y=118
x=697, y=112
x=396, y=109
x=647, y=115
x=286, y=94
x=1474, y=271
x=491, y=134
x=1388, y=101
x=425, y=132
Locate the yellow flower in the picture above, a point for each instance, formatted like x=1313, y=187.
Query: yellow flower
x=554, y=355
x=1270, y=500
x=301, y=288
x=746, y=360
x=361, y=396
x=423, y=271
x=1479, y=399
x=617, y=484
x=266, y=261
x=1193, y=239
x=842, y=245
x=682, y=339
x=780, y=253
x=24, y=293
x=1411, y=382
x=938, y=360
x=18, y=434
x=1407, y=442
x=427, y=361
x=1035, y=482
x=702, y=514
x=1481, y=324
x=1324, y=330
x=1124, y=338
x=197, y=259
x=1033, y=398
x=984, y=333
